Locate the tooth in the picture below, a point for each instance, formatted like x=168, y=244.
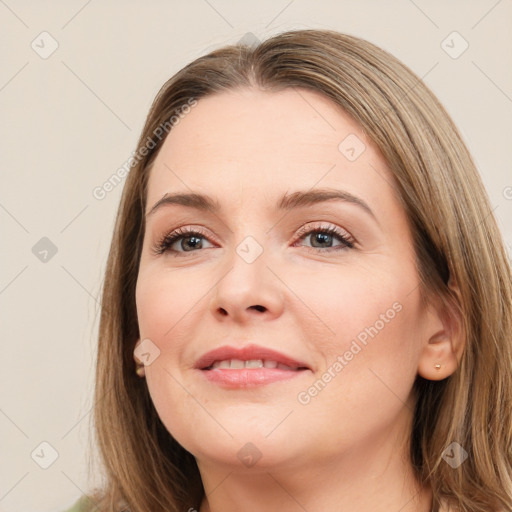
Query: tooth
x=238, y=364
x=254, y=363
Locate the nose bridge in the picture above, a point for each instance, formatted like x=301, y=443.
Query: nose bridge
x=248, y=287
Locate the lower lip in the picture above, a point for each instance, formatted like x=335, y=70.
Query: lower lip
x=247, y=378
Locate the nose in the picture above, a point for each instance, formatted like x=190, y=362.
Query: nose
x=247, y=292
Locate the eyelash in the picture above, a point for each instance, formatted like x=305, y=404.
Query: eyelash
x=164, y=244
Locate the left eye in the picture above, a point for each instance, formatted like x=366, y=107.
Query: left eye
x=324, y=238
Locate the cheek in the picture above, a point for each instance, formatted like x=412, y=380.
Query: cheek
x=178, y=409
x=368, y=366
x=165, y=308
x=369, y=316
x=164, y=300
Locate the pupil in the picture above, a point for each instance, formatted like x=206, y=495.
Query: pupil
x=196, y=241
x=322, y=238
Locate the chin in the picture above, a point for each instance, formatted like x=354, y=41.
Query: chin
x=245, y=451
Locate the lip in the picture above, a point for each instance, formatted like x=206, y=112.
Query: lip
x=246, y=353
x=248, y=377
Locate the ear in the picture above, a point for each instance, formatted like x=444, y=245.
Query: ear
x=139, y=369
x=445, y=337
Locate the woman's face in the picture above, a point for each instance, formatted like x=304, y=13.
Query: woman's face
x=330, y=285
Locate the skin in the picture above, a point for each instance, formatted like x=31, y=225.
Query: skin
x=347, y=448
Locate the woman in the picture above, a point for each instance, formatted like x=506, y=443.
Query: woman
x=307, y=272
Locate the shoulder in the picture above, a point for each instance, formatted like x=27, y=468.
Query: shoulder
x=444, y=507
x=79, y=506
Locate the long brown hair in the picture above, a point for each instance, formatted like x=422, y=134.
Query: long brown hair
x=456, y=240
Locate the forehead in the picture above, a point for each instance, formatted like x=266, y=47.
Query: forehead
x=249, y=142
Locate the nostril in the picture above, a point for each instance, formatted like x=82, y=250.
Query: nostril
x=259, y=308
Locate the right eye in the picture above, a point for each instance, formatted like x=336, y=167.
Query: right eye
x=189, y=240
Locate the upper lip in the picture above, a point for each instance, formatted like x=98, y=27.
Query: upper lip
x=246, y=353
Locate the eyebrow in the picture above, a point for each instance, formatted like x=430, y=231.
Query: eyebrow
x=287, y=202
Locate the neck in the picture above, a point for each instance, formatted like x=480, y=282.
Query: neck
x=374, y=477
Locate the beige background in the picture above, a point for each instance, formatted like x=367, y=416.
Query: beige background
x=70, y=120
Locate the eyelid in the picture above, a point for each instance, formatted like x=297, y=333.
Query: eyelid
x=163, y=244
x=177, y=233
x=323, y=225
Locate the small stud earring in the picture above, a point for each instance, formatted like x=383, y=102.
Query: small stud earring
x=140, y=371
x=437, y=366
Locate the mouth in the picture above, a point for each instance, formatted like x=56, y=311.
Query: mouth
x=248, y=366
x=238, y=364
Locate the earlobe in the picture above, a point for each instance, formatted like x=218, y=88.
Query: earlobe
x=438, y=359
x=139, y=366
x=445, y=338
